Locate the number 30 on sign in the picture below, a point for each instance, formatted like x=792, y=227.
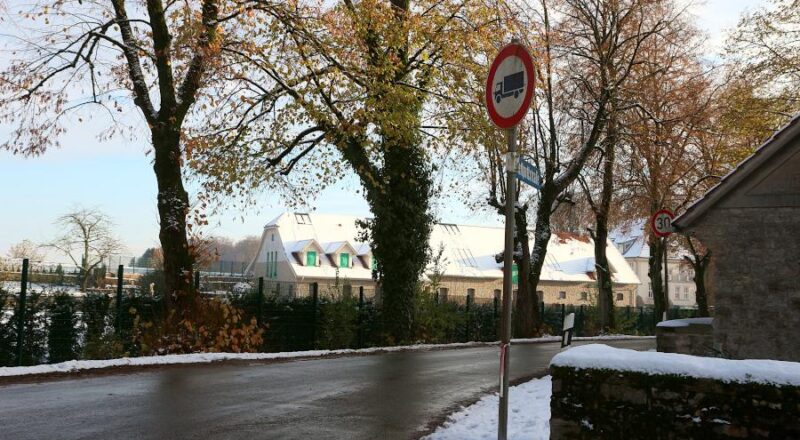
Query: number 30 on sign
x=661, y=223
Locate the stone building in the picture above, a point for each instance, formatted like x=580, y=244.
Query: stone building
x=751, y=223
x=298, y=249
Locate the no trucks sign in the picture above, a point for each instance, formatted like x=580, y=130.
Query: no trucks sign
x=509, y=86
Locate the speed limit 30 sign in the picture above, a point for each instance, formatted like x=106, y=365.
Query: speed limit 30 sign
x=661, y=223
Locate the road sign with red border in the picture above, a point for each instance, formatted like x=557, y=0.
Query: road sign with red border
x=509, y=86
x=661, y=223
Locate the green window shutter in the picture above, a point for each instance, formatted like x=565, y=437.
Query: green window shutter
x=344, y=259
x=514, y=274
x=311, y=258
x=374, y=264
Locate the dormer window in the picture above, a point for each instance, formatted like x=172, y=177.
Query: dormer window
x=311, y=258
x=344, y=259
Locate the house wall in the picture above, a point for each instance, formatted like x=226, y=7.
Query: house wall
x=681, y=283
x=271, y=242
x=485, y=291
x=756, y=275
x=457, y=289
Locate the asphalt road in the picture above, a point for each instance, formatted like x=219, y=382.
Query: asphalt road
x=385, y=396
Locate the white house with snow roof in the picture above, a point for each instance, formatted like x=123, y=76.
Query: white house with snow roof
x=631, y=241
x=298, y=249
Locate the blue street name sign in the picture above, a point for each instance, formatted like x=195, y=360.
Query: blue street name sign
x=528, y=173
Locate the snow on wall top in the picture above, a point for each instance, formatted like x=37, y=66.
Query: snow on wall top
x=469, y=251
x=685, y=322
x=600, y=356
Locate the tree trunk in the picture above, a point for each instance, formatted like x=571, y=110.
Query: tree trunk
x=699, y=264
x=541, y=239
x=400, y=234
x=85, y=266
x=173, y=208
x=605, y=289
x=700, y=284
x=527, y=319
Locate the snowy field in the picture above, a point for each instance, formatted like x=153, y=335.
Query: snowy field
x=528, y=415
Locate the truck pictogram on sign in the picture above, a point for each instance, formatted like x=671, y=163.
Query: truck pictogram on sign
x=511, y=85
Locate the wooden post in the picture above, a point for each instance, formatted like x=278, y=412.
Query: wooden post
x=22, y=310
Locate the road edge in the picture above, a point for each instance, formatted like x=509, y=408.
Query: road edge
x=86, y=369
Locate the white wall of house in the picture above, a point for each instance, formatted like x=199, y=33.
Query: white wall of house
x=681, y=283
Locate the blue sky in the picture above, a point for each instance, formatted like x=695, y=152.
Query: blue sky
x=116, y=177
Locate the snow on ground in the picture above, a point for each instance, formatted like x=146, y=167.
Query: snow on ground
x=600, y=356
x=199, y=358
x=528, y=415
x=548, y=338
x=685, y=322
x=14, y=287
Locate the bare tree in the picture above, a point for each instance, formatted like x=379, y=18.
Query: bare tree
x=151, y=61
x=26, y=249
x=640, y=23
x=87, y=240
x=590, y=50
x=671, y=155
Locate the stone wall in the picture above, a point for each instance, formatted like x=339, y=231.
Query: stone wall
x=686, y=336
x=611, y=404
x=756, y=276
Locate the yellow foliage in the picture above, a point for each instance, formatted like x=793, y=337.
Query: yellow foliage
x=214, y=327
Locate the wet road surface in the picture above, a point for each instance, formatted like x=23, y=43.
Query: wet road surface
x=385, y=396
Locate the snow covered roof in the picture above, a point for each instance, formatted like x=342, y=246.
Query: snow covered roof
x=300, y=245
x=468, y=251
x=775, y=144
x=631, y=240
x=600, y=356
x=330, y=233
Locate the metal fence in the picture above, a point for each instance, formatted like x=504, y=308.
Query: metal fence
x=48, y=326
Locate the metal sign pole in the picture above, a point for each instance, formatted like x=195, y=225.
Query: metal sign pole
x=505, y=329
x=666, y=281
